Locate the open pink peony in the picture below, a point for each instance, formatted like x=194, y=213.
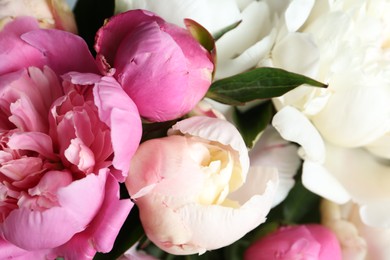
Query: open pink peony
x=160, y=65
x=67, y=136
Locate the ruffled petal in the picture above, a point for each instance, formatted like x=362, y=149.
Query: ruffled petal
x=119, y=112
x=103, y=230
x=35, y=230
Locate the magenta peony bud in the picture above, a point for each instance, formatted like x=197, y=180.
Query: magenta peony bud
x=304, y=242
x=160, y=65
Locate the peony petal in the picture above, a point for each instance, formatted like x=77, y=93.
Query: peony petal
x=273, y=151
x=109, y=36
x=246, y=60
x=33, y=141
x=216, y=130
x=61, y=49
x=369, y=185
x=74, y=214
x=14, y=53
x=158, y=172
x=236, y=55
x=102, y=231
x=287, y=54
x=217, y=226
x=356, y=128
x=294, y=126
x=119, y=112
x=202, y=11
x=297, y=13
x=320, y=181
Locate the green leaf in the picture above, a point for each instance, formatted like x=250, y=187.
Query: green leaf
x=252, y=122
x=260, y=83
x=300, y=205
x=90, y=16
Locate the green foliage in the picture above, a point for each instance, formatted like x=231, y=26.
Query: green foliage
x=252, y=122
x=260, y=83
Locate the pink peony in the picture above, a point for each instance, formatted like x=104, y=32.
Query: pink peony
x=160, y=65
x=66, y=139
x=304, y=242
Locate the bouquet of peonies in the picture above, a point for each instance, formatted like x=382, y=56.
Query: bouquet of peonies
x=215, y=129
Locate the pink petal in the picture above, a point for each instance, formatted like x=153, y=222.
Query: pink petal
x=10, y=251
x=14, y=53
x=119, y=112
x=64, y=51
x=102, y=231
x=112, y=33
x=33, y=141
x=79, y=202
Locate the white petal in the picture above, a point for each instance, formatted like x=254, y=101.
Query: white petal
x=297, y=13
x=216, y=226
x=381, y=146
x=273, y=151
x=214, y=15
x=294, y=126
x=246, y=60
x=242, y=44
x=318, y=180
x=357, y=113
x=376, y=214
x=297, y=52
x=366, y=179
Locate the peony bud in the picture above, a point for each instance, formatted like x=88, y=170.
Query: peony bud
x=307, y=242
x=160, y=65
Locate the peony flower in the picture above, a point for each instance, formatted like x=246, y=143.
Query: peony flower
x=239, y=49
x=160, y=66
x=48, y=13
x=343, y=129
x=358, y=241
x=193, y=188
x=66, y=140
x=311, y=241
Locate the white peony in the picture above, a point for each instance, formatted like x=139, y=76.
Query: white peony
x=344, y=130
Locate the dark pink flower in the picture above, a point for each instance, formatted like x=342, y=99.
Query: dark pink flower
x=160, y=65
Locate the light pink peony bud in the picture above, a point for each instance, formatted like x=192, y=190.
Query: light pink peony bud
x=49, y=13
x=306, y=242
x=160, y=65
